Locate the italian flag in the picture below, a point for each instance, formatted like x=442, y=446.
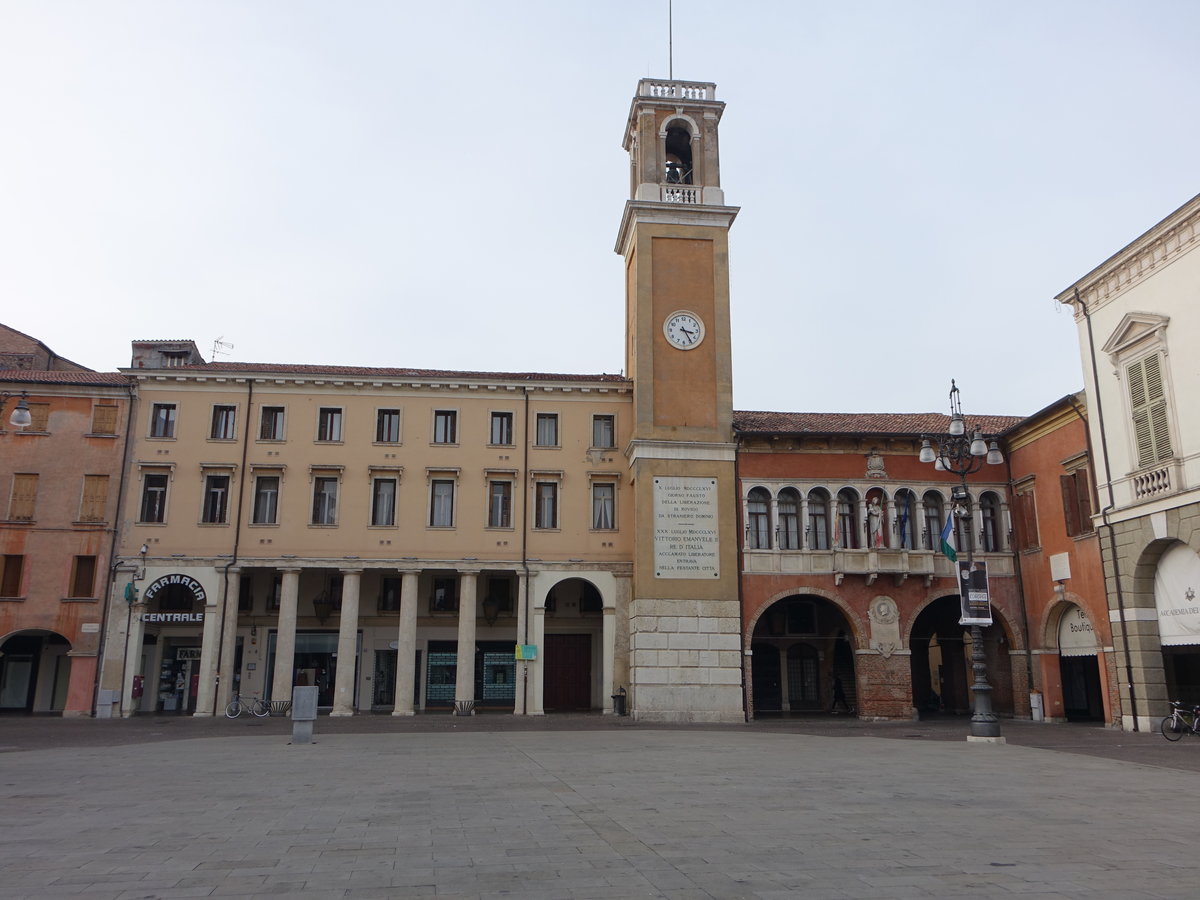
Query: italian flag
x=948, y=538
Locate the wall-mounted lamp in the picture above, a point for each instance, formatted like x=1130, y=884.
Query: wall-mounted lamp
x=20, y=417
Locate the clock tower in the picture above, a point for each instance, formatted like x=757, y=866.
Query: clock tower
x=685, y=653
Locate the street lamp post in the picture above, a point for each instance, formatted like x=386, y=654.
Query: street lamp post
x=963, y=451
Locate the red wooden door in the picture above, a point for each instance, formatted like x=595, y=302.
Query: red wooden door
x=568, y=672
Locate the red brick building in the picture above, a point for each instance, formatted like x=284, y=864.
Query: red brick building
x=843, y=577
x=59, y=488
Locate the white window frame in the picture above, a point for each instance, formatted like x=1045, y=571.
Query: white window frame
x=334, y=428
x=206, y=491
x=506, y=508
x=443, y=501
x=597, y=420
x=164, y=419
x=224, y=415
x=509, y=427
x=552, y=420
x=444, y=428
x=165, y=473
x=327, y=512
x=258, y=476
x=380, y=413
x=281, y=420
x=597, y=505
x=376, y=481
x=547, y=490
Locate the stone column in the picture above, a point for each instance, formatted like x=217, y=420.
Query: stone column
x=520, y=700
x=464, y=682
x=785, y=693
x=210, y=641
x=133, y=658
x=225, y=671
x=285, y=637
x=343, y=684
x=537, y=636
x=406, y=645
x=607, y=645
x=805, y=538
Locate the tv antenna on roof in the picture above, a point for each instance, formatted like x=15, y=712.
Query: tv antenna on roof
x=670, y=42
x=220, y=347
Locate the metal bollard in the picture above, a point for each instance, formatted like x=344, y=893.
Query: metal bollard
x=304, y=713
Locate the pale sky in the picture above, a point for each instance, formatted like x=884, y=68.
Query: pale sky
x=439, y=184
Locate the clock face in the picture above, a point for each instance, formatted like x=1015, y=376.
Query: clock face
x=683, y=330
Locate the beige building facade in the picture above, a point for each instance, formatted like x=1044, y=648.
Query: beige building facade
x=386, y=535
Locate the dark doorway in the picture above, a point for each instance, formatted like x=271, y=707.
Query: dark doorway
x=941, y=664
x=1082, y=701
x=567, y=673
x=768, y=683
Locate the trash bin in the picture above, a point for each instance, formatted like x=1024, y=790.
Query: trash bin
x=1036, y=709
x=618, y=700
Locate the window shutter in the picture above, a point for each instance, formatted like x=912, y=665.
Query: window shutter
x=1083, y=490
x=1070, y=503
x=95, y=497
x=104, y=420
x=24, y=496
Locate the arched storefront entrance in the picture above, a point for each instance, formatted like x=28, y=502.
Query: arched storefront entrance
x=941, y=661
x=35, y=672
x=800, y=651
x=1078, y=666
x=1176, y=580
x=574, y=624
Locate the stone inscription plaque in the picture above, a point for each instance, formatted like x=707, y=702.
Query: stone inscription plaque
x=686, y=544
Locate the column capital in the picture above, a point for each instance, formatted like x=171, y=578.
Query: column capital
x=355, y=571
x=289, y=570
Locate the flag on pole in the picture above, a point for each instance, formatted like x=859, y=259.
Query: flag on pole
x=948, y=538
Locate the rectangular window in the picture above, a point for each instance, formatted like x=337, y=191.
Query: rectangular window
x=389, y=594
x=445, y=426
x=24, y=498
x=500, y=504
x=603, y=506
x=325, y=490
x=546, y=505
x=93, y=505
x=216, y=499
x=383, y=501
x=329, y=424
x=1025, y=519
x=162, y=420
x=445, y=595
x=266, y=500
x=223, y=421
x=10, y=578
x=441, y=504
x=547, y=430
x=104, y=419
x=1077, y=502
x=246, y=594
x=387, y=426
x=276, y=597
x=39, y=417
x=502, y=429
x=83, y=577
x=271, y=426
x=154, y=498
x=1148, y=405
x=604, y=434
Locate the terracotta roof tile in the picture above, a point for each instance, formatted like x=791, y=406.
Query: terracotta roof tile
x=42, y=376
x=754, y=422
x=367, y=372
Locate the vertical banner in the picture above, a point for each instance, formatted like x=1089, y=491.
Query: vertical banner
x=973, y=593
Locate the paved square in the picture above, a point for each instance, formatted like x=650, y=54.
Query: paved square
x=628, y=812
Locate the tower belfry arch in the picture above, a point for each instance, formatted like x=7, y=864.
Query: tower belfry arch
x=685, y=647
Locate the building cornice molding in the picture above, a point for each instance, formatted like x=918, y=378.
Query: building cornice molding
x=650, y=212
x=1170, y=239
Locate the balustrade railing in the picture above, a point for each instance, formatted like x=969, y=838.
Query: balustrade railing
x=1152, y=483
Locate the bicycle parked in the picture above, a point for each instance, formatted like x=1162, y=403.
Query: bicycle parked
x=257, y=705
x=1181, y=721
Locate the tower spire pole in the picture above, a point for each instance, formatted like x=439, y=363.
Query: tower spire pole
x=670, y=41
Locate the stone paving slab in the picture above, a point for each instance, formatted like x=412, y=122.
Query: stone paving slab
x=617, y=812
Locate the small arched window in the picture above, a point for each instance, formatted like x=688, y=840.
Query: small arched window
x=789, y=519
x=906, y=519
x=678, y=164
x=934, y=519
x=989, y=514
x=846, y=531
x=818, y=519
x=758, y=520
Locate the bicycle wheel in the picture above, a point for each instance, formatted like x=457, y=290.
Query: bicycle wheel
x=234, y=709
x=260, y=707
x=1172, y=728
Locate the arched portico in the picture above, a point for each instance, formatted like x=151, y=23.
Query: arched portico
x=801, y=651
x=941, y=660
x=35, y=671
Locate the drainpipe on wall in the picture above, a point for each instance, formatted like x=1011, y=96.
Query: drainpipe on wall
x=237, y=542
x=1021, y=594
x=525, y=545
x=1112, y=536
x=112, y=562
